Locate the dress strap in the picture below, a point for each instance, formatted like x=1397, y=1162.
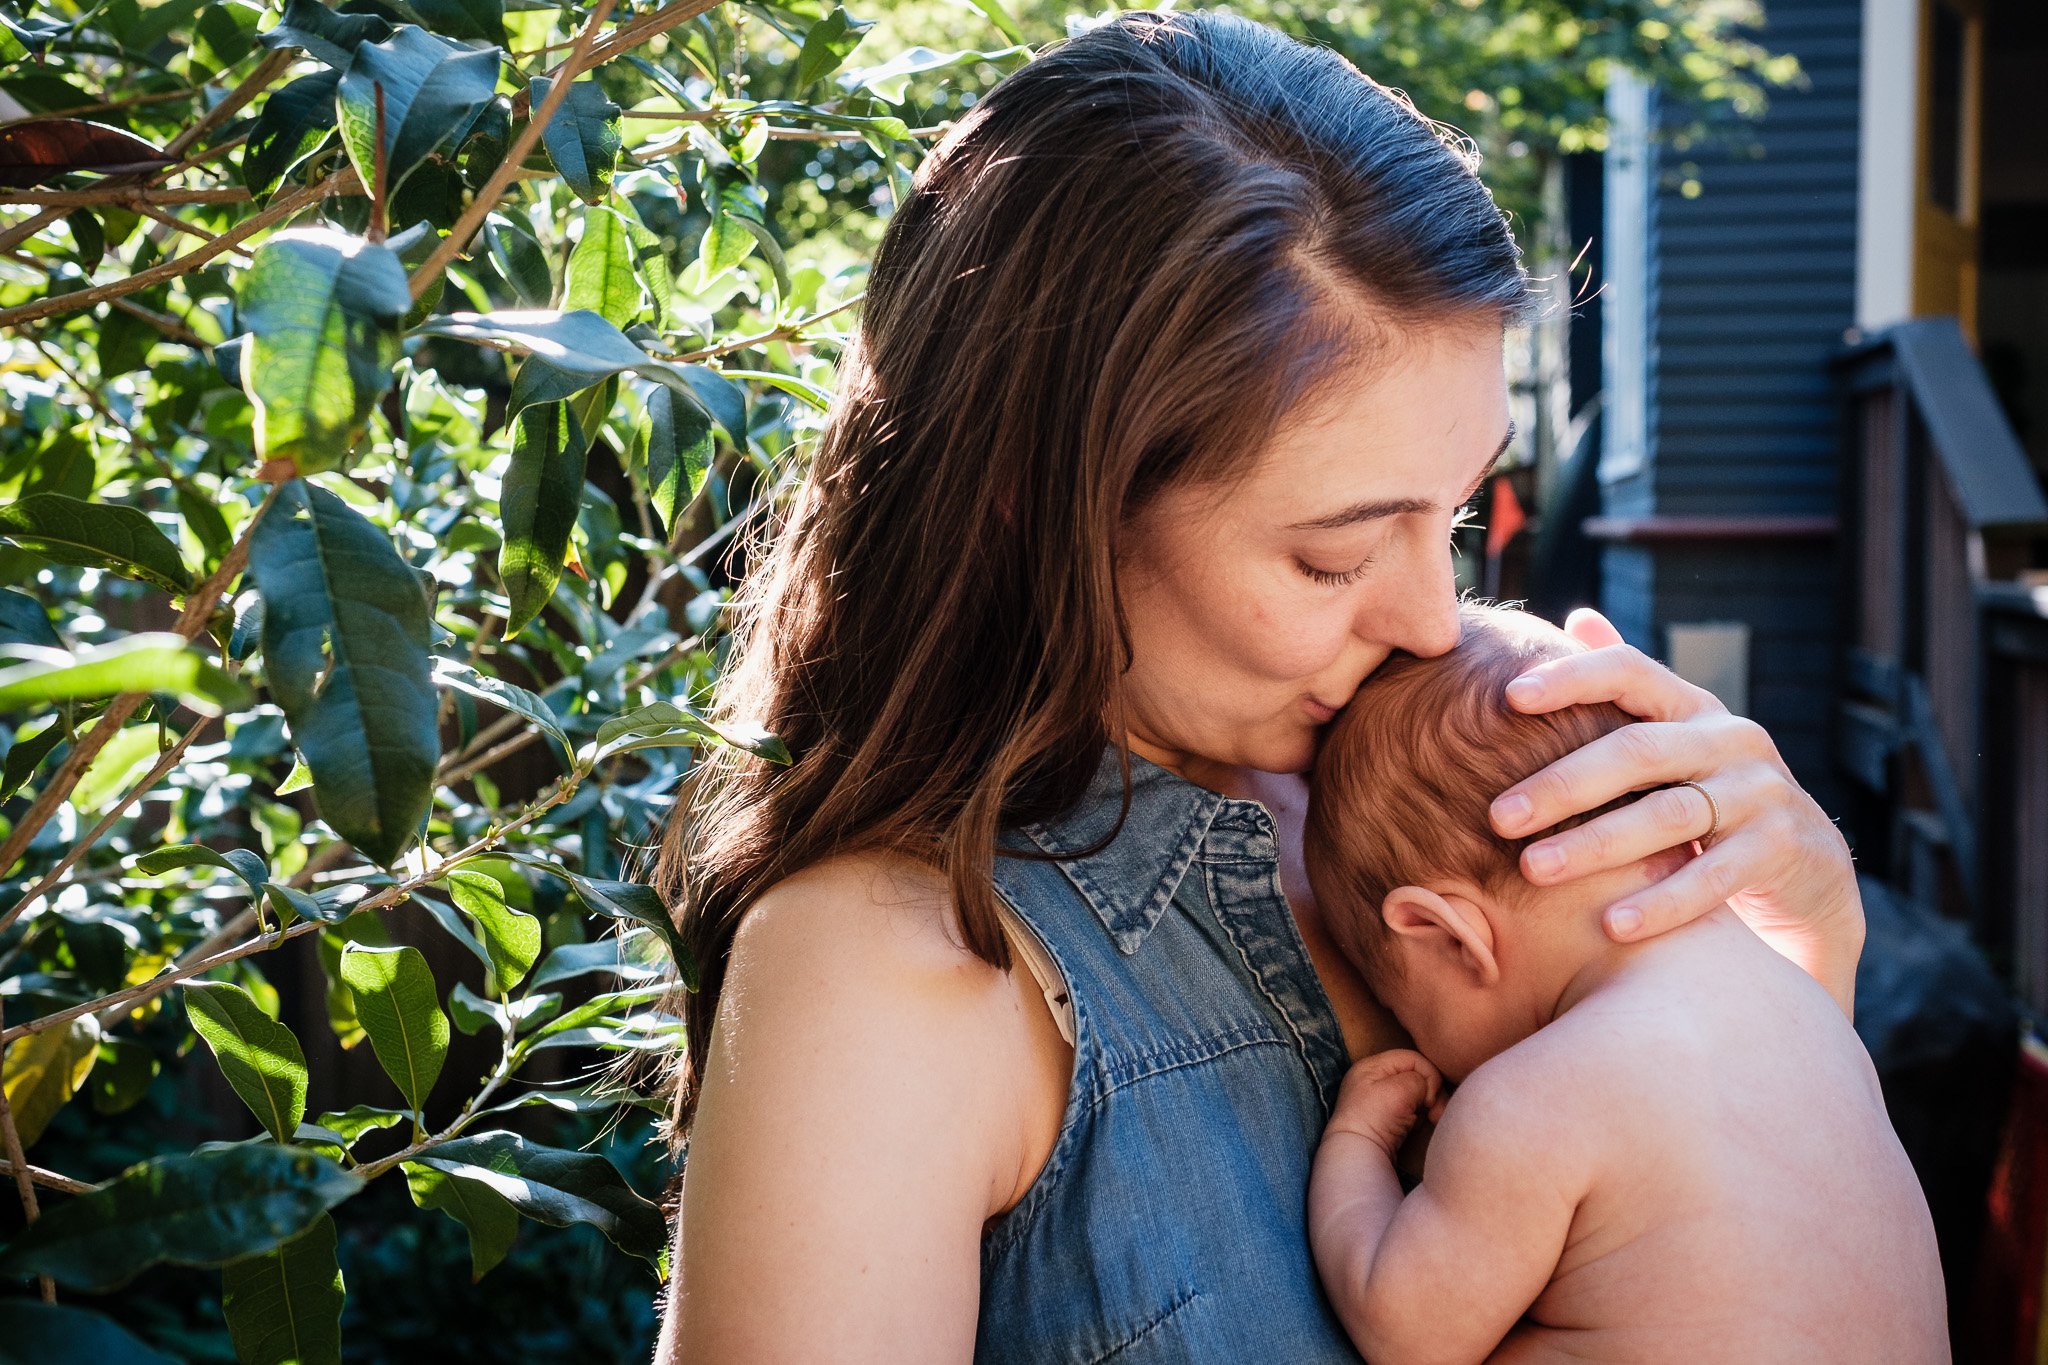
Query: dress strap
x=1024, y=943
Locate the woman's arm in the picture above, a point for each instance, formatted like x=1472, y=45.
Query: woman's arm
x=858, y=1122
x=1775, y=859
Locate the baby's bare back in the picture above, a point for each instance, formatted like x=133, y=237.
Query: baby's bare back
x=1748, y=1200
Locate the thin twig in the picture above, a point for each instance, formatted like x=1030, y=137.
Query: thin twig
x=273, y=65
x=48, y=1179
x=281, y=208
x=124, y=196
x=18, y=1167
x=389, y=896
x=163, y=322
x=487, y=198
x=172, y=220
x=11, y=237
x=786, y=332
x=198, y=610
x=164, y=763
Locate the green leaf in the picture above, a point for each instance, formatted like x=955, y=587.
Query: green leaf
x=356, y=1120
x=888, y=79
x=23, y=621
x=473, y=1013
x=214, y=1205
x=511, y=937
x=122, y=1076
x=520, y=260
x=244, y=864
x=661, y=723
x=674, y=441
x=538, y=501
x=650, y=260
x=605, y=1006
x=556, y=1187
x=33, y=1333
x=607, y=955
x=827, y=43
x=483, y=19
x=260, y=1057
x=579, y=343
x=725, y=243
x=345, y=632
x=509, y=696
x=627, y=901
x=152, y=662
x=23, y=759
x=583, y=138
x=401, y=1011
x=330, y=37
x=118, y=763
x=97, y=535
x=290, y=902
x=283, y=1306
x=44, y=1070
x=601, y=275
x=322, y=308
x=490, y=1218
x=295, y=119
x=433, y=91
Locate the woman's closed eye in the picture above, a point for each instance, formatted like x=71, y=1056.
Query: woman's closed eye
x=1334, y=578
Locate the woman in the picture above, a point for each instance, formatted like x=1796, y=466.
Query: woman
x=1174, y=372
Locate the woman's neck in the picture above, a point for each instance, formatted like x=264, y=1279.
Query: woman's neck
x=1227, y=779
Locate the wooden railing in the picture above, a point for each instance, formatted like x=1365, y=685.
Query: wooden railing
x=1943, y=517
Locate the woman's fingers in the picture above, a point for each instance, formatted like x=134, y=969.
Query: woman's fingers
x=1701, y=885
x=1618, y=673
x=1591, y=629
x=1645, y=754
x=1666, y=818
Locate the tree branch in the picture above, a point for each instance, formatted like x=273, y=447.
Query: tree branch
x=341, y=182
x=125, y=1000
x=255, y=83
x=493, y=191
x=48, y=1179
x=198, y=609
x=18, y=1167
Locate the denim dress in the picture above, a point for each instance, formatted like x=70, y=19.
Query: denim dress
x=1170, y=1222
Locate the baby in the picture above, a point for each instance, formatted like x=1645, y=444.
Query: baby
x=1666, y=1151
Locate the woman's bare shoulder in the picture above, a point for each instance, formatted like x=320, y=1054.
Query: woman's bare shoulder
x=876, y=908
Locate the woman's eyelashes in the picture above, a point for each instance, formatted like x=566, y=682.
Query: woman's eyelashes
x=1334, y=579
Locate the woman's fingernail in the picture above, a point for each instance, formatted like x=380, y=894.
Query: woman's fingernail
x=1624, y=920
x=1513, y=811
x=1546, y=860
x=1528, y=687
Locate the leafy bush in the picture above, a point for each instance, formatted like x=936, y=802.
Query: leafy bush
x=384, y=391
x=386, y=386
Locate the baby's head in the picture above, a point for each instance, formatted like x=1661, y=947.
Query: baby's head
x=1420, y=893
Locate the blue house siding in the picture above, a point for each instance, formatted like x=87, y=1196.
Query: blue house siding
x=1748, y=289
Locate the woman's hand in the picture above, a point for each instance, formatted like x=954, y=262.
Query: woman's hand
x=1384, y=1094
x=1775, y=858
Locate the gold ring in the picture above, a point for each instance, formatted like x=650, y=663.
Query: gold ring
x=1713, y=809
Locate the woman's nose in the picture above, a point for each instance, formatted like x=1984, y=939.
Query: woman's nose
x=1420, y=615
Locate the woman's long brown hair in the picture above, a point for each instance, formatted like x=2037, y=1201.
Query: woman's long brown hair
x=1118, y=272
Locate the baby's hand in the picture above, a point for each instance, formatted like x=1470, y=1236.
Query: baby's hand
x=1383, y=1094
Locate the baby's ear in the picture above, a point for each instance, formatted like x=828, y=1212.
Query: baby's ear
x=1450, y=925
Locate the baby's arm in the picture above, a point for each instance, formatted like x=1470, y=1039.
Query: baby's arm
x=1443, y=1274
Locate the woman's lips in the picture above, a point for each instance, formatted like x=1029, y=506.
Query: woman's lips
x=1320, y=713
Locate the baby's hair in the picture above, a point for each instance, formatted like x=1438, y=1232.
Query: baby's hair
x=1407, y=771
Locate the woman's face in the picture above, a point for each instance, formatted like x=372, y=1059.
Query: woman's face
x=1255, y=612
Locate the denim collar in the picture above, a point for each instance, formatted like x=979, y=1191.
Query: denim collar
x=1130, y=882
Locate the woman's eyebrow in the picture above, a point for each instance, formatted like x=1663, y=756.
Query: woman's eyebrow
x=1394, y=507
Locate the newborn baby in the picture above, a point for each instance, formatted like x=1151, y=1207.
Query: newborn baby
x=1662, y=1151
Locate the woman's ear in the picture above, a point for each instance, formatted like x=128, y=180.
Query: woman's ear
x=1451, y=924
